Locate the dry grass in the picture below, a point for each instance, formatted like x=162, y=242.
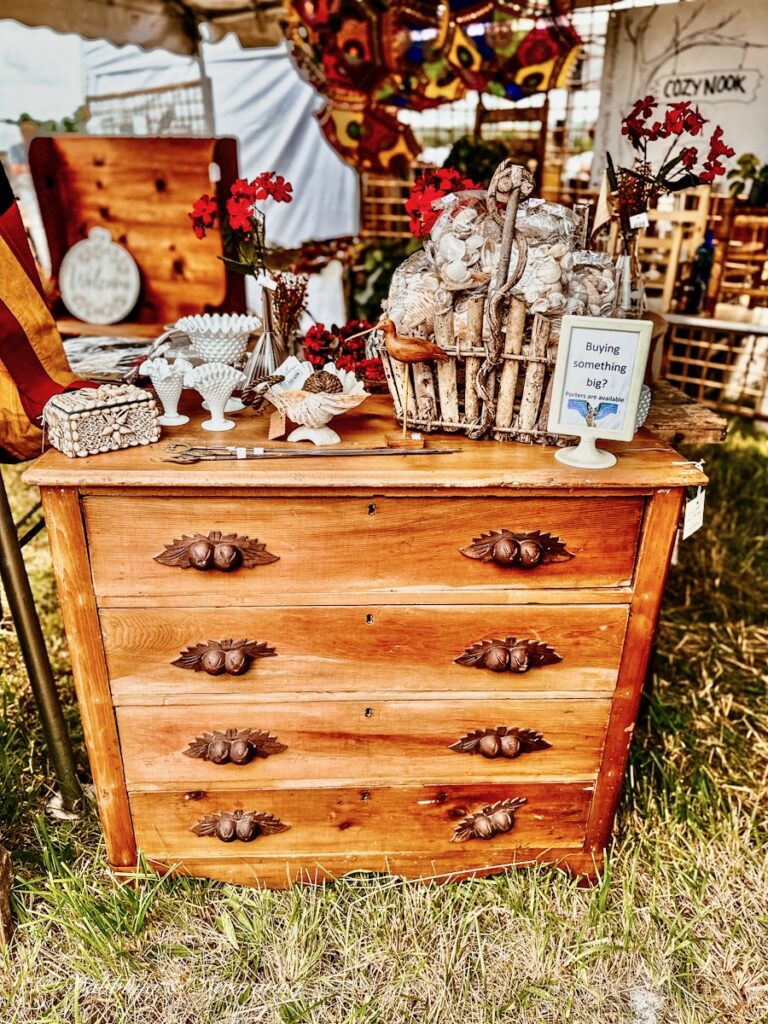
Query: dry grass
x=676, y=933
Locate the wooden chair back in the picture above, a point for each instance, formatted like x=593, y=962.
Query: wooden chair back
x=141, y=189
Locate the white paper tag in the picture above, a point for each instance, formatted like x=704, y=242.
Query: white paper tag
x=639, y=220
x=693, y=516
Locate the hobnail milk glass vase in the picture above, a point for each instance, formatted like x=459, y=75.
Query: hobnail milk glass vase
x=167, y=379
x=215, y=382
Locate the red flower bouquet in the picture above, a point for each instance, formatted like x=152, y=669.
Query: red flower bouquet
x=426, y=190
x=243, y=229
x=682, y=166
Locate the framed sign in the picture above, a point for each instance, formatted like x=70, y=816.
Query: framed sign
x=98, y=279
x=596, y=385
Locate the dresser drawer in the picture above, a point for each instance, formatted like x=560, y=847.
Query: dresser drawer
x=367, y=648
x=415, y=820
x=339, y=742
x=349, y=545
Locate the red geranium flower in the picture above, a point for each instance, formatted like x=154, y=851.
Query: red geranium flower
x=203, y=214
x=240, y=212
x=243, y=189
x=689, y=157
x=717, y=147
x=281, y=190
x=262, y=185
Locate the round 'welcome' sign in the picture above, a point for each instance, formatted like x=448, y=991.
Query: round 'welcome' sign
x=99, y=279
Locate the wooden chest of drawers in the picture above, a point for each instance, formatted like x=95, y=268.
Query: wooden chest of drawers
x=279, y=665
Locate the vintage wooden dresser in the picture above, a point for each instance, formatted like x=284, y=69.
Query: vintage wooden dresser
x=413, y=697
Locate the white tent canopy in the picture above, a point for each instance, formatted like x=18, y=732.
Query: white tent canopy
x=170, y=24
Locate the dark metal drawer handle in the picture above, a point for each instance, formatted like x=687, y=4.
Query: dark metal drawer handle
x=218, y=656
x=489, y=821
x=508, y=655
x=217, y=550
x=238, y=746
x=500, y=742
x=520, y=550
x=243, y=825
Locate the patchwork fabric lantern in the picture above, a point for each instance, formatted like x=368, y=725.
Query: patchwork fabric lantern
x=370, y=59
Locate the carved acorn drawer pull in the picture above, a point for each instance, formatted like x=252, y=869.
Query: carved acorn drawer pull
x=508, y=655
x=238, y=746
x=243, y=825
x=522, y=550
x=489, y=821
x=500, y=742
x=222, y=551
x=217, y=656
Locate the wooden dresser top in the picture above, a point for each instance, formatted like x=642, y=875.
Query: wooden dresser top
x=646, y=463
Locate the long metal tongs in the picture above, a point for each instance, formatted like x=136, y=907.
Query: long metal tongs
x=186, y=454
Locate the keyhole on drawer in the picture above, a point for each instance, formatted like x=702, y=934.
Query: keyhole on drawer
x=369, y=620
x=371, y=510
x=369, y=712
x=365, y=795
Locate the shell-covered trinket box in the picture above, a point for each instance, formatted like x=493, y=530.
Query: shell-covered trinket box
x=103, y=419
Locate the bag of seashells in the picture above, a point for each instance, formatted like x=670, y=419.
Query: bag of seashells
x=594, y=287
x=103, y=419
x=490, y=286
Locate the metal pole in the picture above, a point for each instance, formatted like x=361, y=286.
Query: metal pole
x=32, y=644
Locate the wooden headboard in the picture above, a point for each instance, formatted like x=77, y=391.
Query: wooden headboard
x=141, y=189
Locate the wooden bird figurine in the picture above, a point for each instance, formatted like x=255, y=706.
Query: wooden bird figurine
x=406, y=350
x=410, y=350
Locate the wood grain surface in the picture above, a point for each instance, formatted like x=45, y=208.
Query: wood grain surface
x=653, y=565
x=364, y=546
x=445, y=866
x=359, y=649
x=387, y=820
x=352, y=742
x=89, y=669
x=644, y=463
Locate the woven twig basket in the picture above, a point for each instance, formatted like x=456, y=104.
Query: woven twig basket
x=499, y=387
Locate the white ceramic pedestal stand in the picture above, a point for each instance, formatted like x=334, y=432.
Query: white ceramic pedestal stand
x=318, y=435
x=586, y=455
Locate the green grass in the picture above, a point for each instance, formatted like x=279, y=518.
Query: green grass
x=676, y=933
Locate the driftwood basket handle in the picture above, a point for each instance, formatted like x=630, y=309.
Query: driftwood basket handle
x=491, y=820
x=215, y=550
x=234, y=746
x=245, y=826
x=511, y=549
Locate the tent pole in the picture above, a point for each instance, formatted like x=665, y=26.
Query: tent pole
x=32, y=643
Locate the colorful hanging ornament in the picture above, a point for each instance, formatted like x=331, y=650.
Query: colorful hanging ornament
x=370, y=60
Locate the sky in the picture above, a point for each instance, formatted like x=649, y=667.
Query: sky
x=40, y=74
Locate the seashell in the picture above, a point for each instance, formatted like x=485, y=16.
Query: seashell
x=455, y=272
x=313, y=412
x=547, y=270
x=567, y=262
x=451, y=248
x=558, y=250
x=594, y=308
x=474, y=242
